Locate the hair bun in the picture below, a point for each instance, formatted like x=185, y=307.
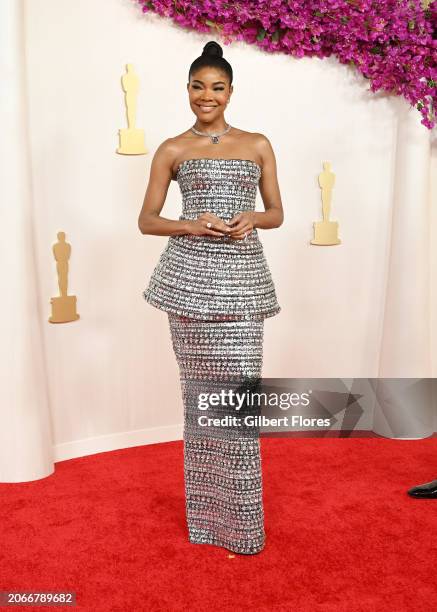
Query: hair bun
x=212, y=48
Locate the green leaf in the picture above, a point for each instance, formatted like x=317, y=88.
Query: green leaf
x=261, y=34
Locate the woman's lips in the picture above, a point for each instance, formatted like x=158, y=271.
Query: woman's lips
x=206, y=109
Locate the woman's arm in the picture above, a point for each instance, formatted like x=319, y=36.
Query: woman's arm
x=269, y=188
x=149, y=220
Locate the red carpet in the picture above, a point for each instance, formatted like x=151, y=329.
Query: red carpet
x=342, y=535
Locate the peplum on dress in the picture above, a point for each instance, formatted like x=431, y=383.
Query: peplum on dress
x=217, y=292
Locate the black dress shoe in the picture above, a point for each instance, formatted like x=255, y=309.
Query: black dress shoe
x=425, y=491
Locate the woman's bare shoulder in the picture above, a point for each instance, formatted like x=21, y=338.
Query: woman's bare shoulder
x=262, y=144
x=255, y=140
x=170, y=149
x=180, y=140
x=259, y=138
x=173, y=143
x=174, y=146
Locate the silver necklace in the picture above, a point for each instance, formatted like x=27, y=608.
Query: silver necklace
x=214, y=137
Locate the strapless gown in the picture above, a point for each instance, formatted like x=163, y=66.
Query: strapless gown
x=217, y=292
x=209, y=277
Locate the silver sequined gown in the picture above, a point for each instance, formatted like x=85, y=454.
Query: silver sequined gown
x=217, y=292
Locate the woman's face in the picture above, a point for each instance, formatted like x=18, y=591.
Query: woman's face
x=209, y=92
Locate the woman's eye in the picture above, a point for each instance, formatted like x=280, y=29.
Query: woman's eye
x=215, y=89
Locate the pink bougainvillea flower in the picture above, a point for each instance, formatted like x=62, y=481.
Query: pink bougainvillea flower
x=392, y=43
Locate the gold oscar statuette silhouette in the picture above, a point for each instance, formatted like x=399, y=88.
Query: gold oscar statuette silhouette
x=131, y=138
x=326, y=231
x=63, y=306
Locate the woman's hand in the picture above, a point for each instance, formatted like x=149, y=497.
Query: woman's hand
x=242, y=223
x=217, y=228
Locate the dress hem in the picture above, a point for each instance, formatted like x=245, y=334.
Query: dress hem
x=221, y=543
x=213, y=317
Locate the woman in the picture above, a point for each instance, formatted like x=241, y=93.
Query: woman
x=214, y=282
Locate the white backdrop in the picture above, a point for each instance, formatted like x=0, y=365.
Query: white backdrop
x=366, y=308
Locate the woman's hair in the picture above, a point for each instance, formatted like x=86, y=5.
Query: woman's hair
x=212, y=56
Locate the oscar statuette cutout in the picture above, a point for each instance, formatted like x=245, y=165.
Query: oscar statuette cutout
x=326, y=231
x=63, y=306
x=131, y=138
